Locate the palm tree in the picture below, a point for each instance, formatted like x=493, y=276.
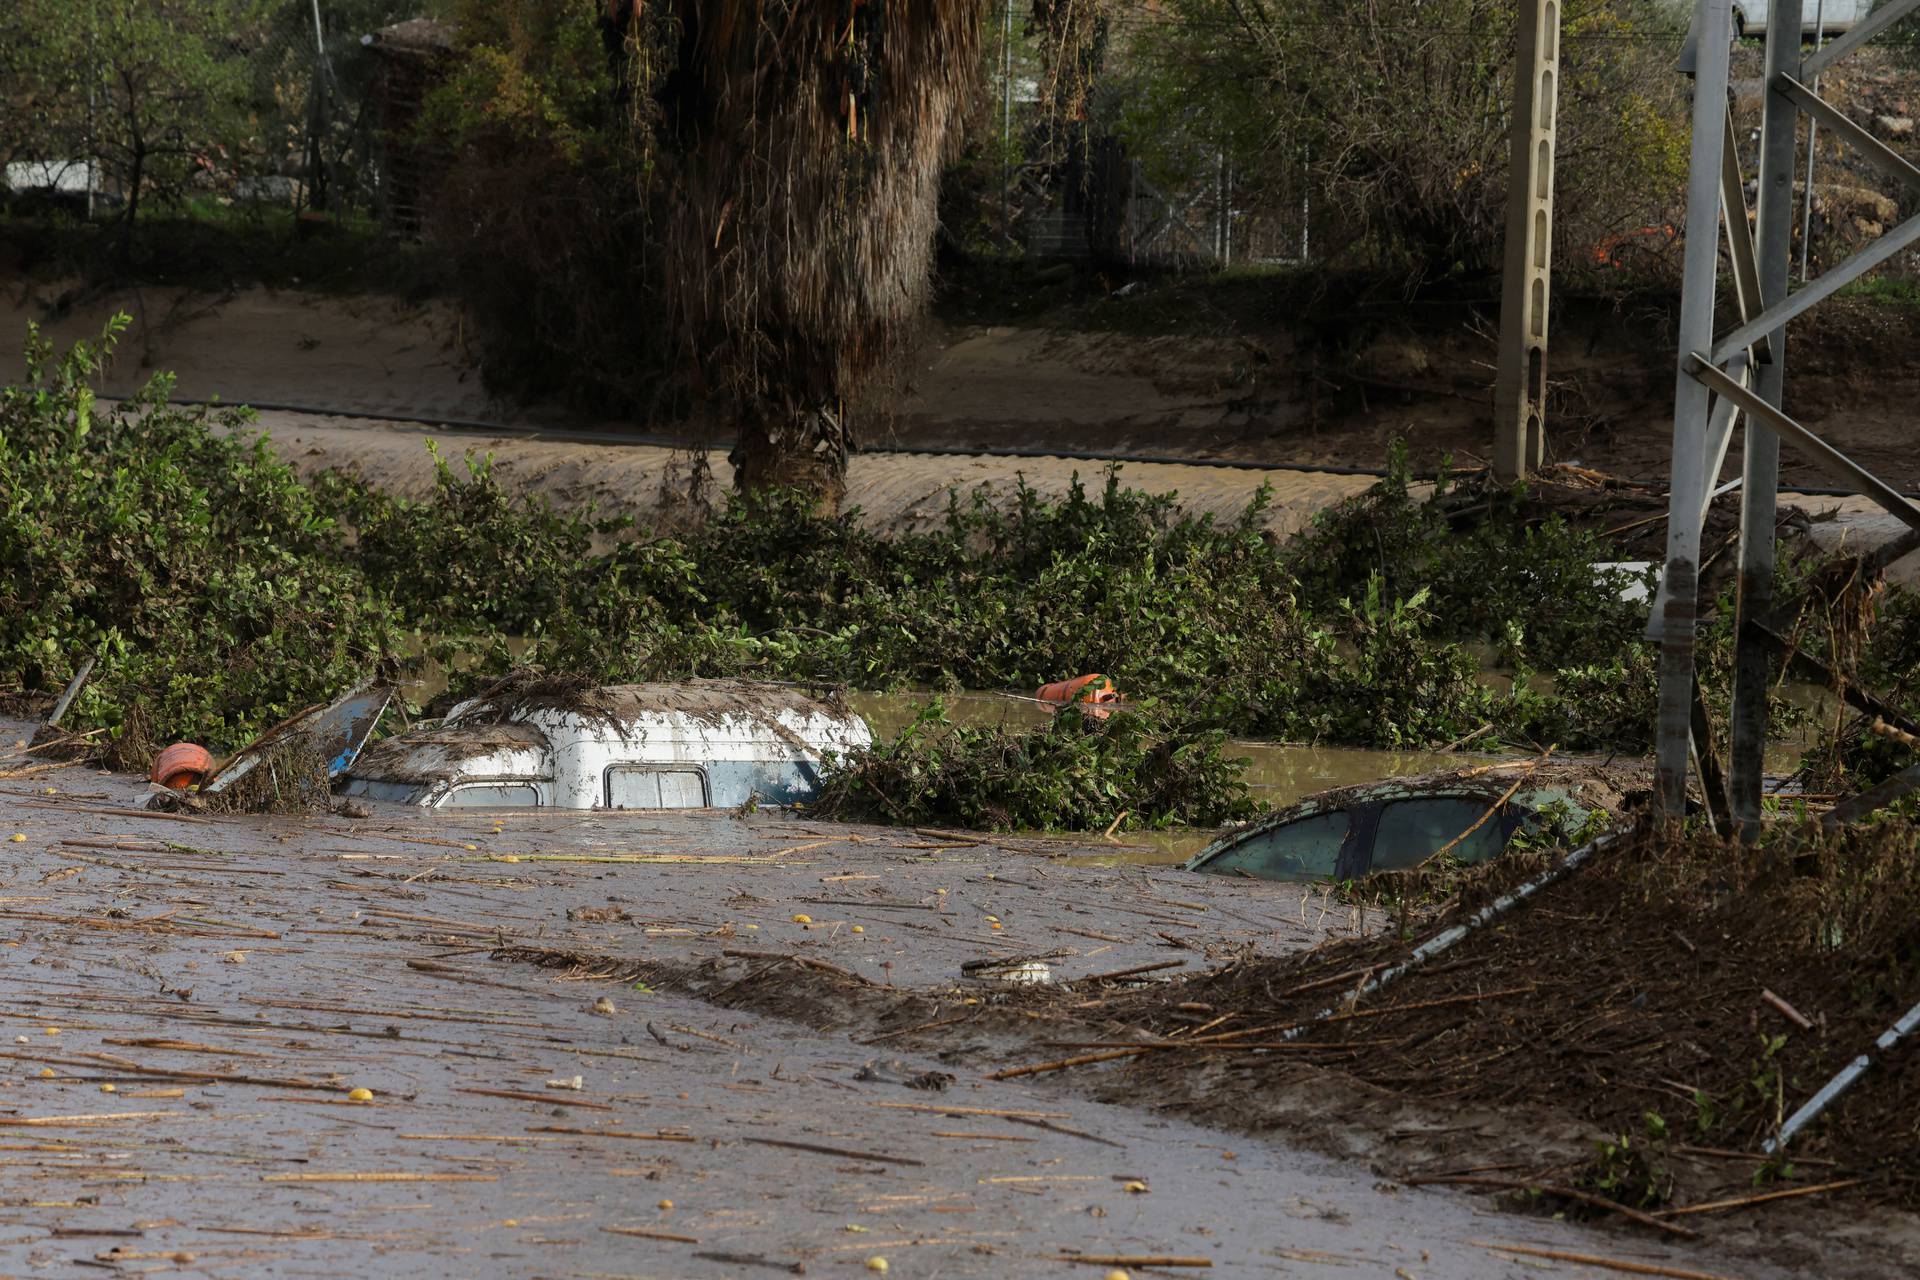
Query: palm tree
x=800, y=144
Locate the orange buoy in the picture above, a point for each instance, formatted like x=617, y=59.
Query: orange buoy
x=181, y=765
x=1088, y=692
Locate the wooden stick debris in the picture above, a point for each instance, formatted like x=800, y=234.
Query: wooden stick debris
x=521, y=1095
x=1548, y=1188
x=614, y=1133
x=824, y=1150
x=755, y=1260
x=1595, y=1260
x=1088, y=1059
x=379, y=1175
x=1134, y=972
x=1786, y=1010
x=937, y=1109
x=805, y=962
x=647, y=1233
x=1133, y=1260
x=1740, y=1202
x=102, y=1117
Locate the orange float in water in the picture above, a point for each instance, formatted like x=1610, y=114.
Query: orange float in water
x=181, y=765
x=1094, y=694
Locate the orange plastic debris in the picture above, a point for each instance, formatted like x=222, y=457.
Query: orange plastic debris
x=1091, y=693
x=181, y=765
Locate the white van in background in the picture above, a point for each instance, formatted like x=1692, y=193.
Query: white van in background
x=1829, y=17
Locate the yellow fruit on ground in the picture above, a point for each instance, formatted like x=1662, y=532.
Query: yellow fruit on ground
x=360, y=1095
x=803, y=918
x=877, y=1263
x=666, y=1204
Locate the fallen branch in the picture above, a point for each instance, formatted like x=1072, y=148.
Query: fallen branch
x=1134, y=972
x=1786, y=1010
x=821, y=1149
x=645, y=1233
x=804, y=962
x=1595, y=1260
x=615, y=1133
x=521, y=1095
x=1132, y=1260
x=1548, y=1188
x=380, y=1176
x=1740, y=1202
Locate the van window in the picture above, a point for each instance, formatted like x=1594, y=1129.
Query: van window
x=492, y=795
x=1307, y=848
x=1413, y=830
x=632, y=786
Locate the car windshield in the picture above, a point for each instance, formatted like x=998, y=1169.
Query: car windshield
x=1308, y=848
x=1413, y=830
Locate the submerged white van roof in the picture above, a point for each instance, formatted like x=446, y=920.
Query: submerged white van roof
x=642, y=746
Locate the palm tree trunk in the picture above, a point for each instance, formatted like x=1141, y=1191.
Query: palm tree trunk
x=797, y=449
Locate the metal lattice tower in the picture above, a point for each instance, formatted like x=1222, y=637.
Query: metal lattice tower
x=1741, y=375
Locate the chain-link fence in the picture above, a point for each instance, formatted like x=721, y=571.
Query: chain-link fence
x=1106, y=180
x=299, y=107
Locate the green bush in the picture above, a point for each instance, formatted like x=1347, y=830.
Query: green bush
x=178, y=550
x=1136, y=768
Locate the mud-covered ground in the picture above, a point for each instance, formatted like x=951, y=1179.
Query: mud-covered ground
x=193, y=997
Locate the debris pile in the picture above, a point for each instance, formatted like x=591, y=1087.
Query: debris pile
x=1674, y=1000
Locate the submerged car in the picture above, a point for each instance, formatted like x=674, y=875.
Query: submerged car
x=686, y=745
x=1398, y=824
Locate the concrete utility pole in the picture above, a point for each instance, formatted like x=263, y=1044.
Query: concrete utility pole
x=1520, y=389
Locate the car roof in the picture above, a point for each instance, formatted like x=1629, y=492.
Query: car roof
x=1583, y=785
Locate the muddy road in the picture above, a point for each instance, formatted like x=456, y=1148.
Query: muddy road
x=603, y=1045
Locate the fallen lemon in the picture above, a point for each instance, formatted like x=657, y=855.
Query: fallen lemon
x=18, y=837
x=803, y=918
x=46, y=1071
x=109, y=1088
x=859, y=929
x=360, y=1095
x=877, y=1263
x=511, y=857
x=1117, y=1274
x=1136, y=1187
x=666, y=1204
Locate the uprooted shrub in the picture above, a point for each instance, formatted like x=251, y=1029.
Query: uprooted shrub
x=176, y=549
x=1137, y=768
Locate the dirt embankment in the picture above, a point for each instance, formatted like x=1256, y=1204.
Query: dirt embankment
x=1241, y=370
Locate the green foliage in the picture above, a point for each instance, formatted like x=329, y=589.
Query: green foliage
x=1400, y=116
x=1136, y=768
x=546, y=207
x=179, y=550
x=147, y=88
x=1632, y=1171
x=221, y=593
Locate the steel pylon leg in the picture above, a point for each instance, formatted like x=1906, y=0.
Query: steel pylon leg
x=1774, y=249
x=1678, y=610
